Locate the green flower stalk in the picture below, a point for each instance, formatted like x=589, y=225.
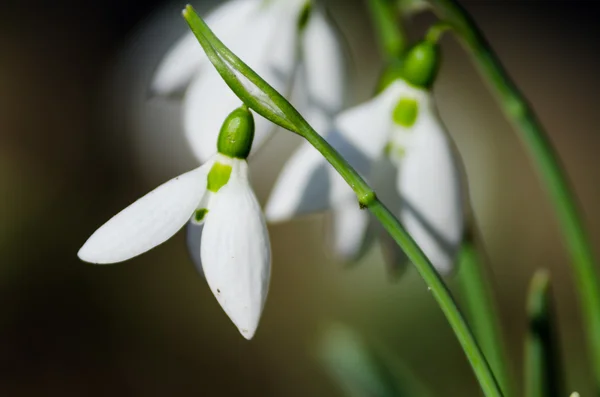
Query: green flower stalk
x=548, y=165
x=262, y=98
x=391, y=37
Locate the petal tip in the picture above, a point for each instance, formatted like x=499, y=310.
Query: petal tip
x=276, y=213
x=247, y=333
x=86, y=254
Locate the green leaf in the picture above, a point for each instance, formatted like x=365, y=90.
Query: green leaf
x=362, y=370
x=542, y=374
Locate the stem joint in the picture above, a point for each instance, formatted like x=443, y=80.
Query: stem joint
x=365, y=199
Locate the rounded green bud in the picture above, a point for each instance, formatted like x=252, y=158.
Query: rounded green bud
x=237, y=134
x=421, y=64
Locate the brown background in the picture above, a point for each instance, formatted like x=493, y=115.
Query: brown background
x=79, y=139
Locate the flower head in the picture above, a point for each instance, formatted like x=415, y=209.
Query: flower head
x=396, y=141
x=234, y=248
x=287, y=42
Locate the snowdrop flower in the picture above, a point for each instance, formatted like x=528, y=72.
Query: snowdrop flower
x=287, y=42
x=234, y=248
x=397, y=142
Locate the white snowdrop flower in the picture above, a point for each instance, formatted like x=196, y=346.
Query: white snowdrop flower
x=289, y=43
x=234, y=247
x=397, y=142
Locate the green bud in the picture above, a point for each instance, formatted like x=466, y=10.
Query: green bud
x=421, y=64
x=237, y=134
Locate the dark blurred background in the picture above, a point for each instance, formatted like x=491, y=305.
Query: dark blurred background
x=80, y=139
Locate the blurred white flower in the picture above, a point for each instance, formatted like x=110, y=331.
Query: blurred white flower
x=289, y=43
x=234, y=247
x=396, y=136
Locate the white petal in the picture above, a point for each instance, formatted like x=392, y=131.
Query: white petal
x=382, y=175
x=430, y=186
x=350, y=225
x=209, y=100
x=186, y=57
x=324, y=67
x=235, y=251
x=367, y=126
x=149, y=221
x=306, y=184
x=193, y=238
x=396, y=260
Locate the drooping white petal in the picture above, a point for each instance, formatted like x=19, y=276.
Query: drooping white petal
x=235, y=251
x=306, y=184
x=350, y=226
x=193, y=238
x=149, y=221
x=395, y=259
x=430, y=186
x=384, y=174
x=209, y=100
x=323, y=70
x=186, y=57
x=366, y=127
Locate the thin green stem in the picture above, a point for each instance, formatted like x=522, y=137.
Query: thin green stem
x=391, y=36
x=548, y=165
x=436, y=31
x=478, y=300
x=442, y=295
x=368, y=199
x=258, y=95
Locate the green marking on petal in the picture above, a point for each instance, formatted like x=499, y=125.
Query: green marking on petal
x=388, y=149
x=304, y=15
x=399, y=151
x=200, y=214
x=406, y=111
x=218, y=176
x=394, y=151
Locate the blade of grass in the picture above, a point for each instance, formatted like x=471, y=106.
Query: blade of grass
x=482, y=314
x=360, y=369
x=542, y=374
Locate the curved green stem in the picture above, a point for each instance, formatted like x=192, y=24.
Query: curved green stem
x=391, y=37
x=476, y=293
x=258, y=95
x=548, y=165
x=368, y=199
x=443, y=297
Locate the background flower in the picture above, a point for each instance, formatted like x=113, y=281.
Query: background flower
x=303, y=57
